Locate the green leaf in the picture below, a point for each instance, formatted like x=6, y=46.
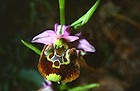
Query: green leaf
x=86, y=87
x=30, y=46
x=85, y=18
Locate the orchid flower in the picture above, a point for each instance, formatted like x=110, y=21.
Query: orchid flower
x=59, y=59
x=63, y=32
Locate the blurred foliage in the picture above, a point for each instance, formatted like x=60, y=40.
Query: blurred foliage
x=114, y=30
x=83, y=88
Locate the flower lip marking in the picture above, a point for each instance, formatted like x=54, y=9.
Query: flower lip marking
x=57, y=56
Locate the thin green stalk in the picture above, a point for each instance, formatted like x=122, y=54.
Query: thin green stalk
x=62, y=11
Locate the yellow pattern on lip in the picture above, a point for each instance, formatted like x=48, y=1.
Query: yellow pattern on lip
x=57, y=56
x=53, y=77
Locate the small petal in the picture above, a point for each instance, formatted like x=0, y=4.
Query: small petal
x=78, y=34
x=55, y=27
x=83, y=44
x=65, y=29
x=71, y=38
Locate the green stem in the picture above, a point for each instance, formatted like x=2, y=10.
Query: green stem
x=62, y=11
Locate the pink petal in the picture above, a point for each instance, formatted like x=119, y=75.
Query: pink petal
x=83, y=44
x=46, y=41
x=46, y=37
x=47, y=33
x=71, y=38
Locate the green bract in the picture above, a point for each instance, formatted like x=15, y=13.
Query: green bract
x=85, y=18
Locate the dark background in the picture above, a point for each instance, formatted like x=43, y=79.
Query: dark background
x=114, y=30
